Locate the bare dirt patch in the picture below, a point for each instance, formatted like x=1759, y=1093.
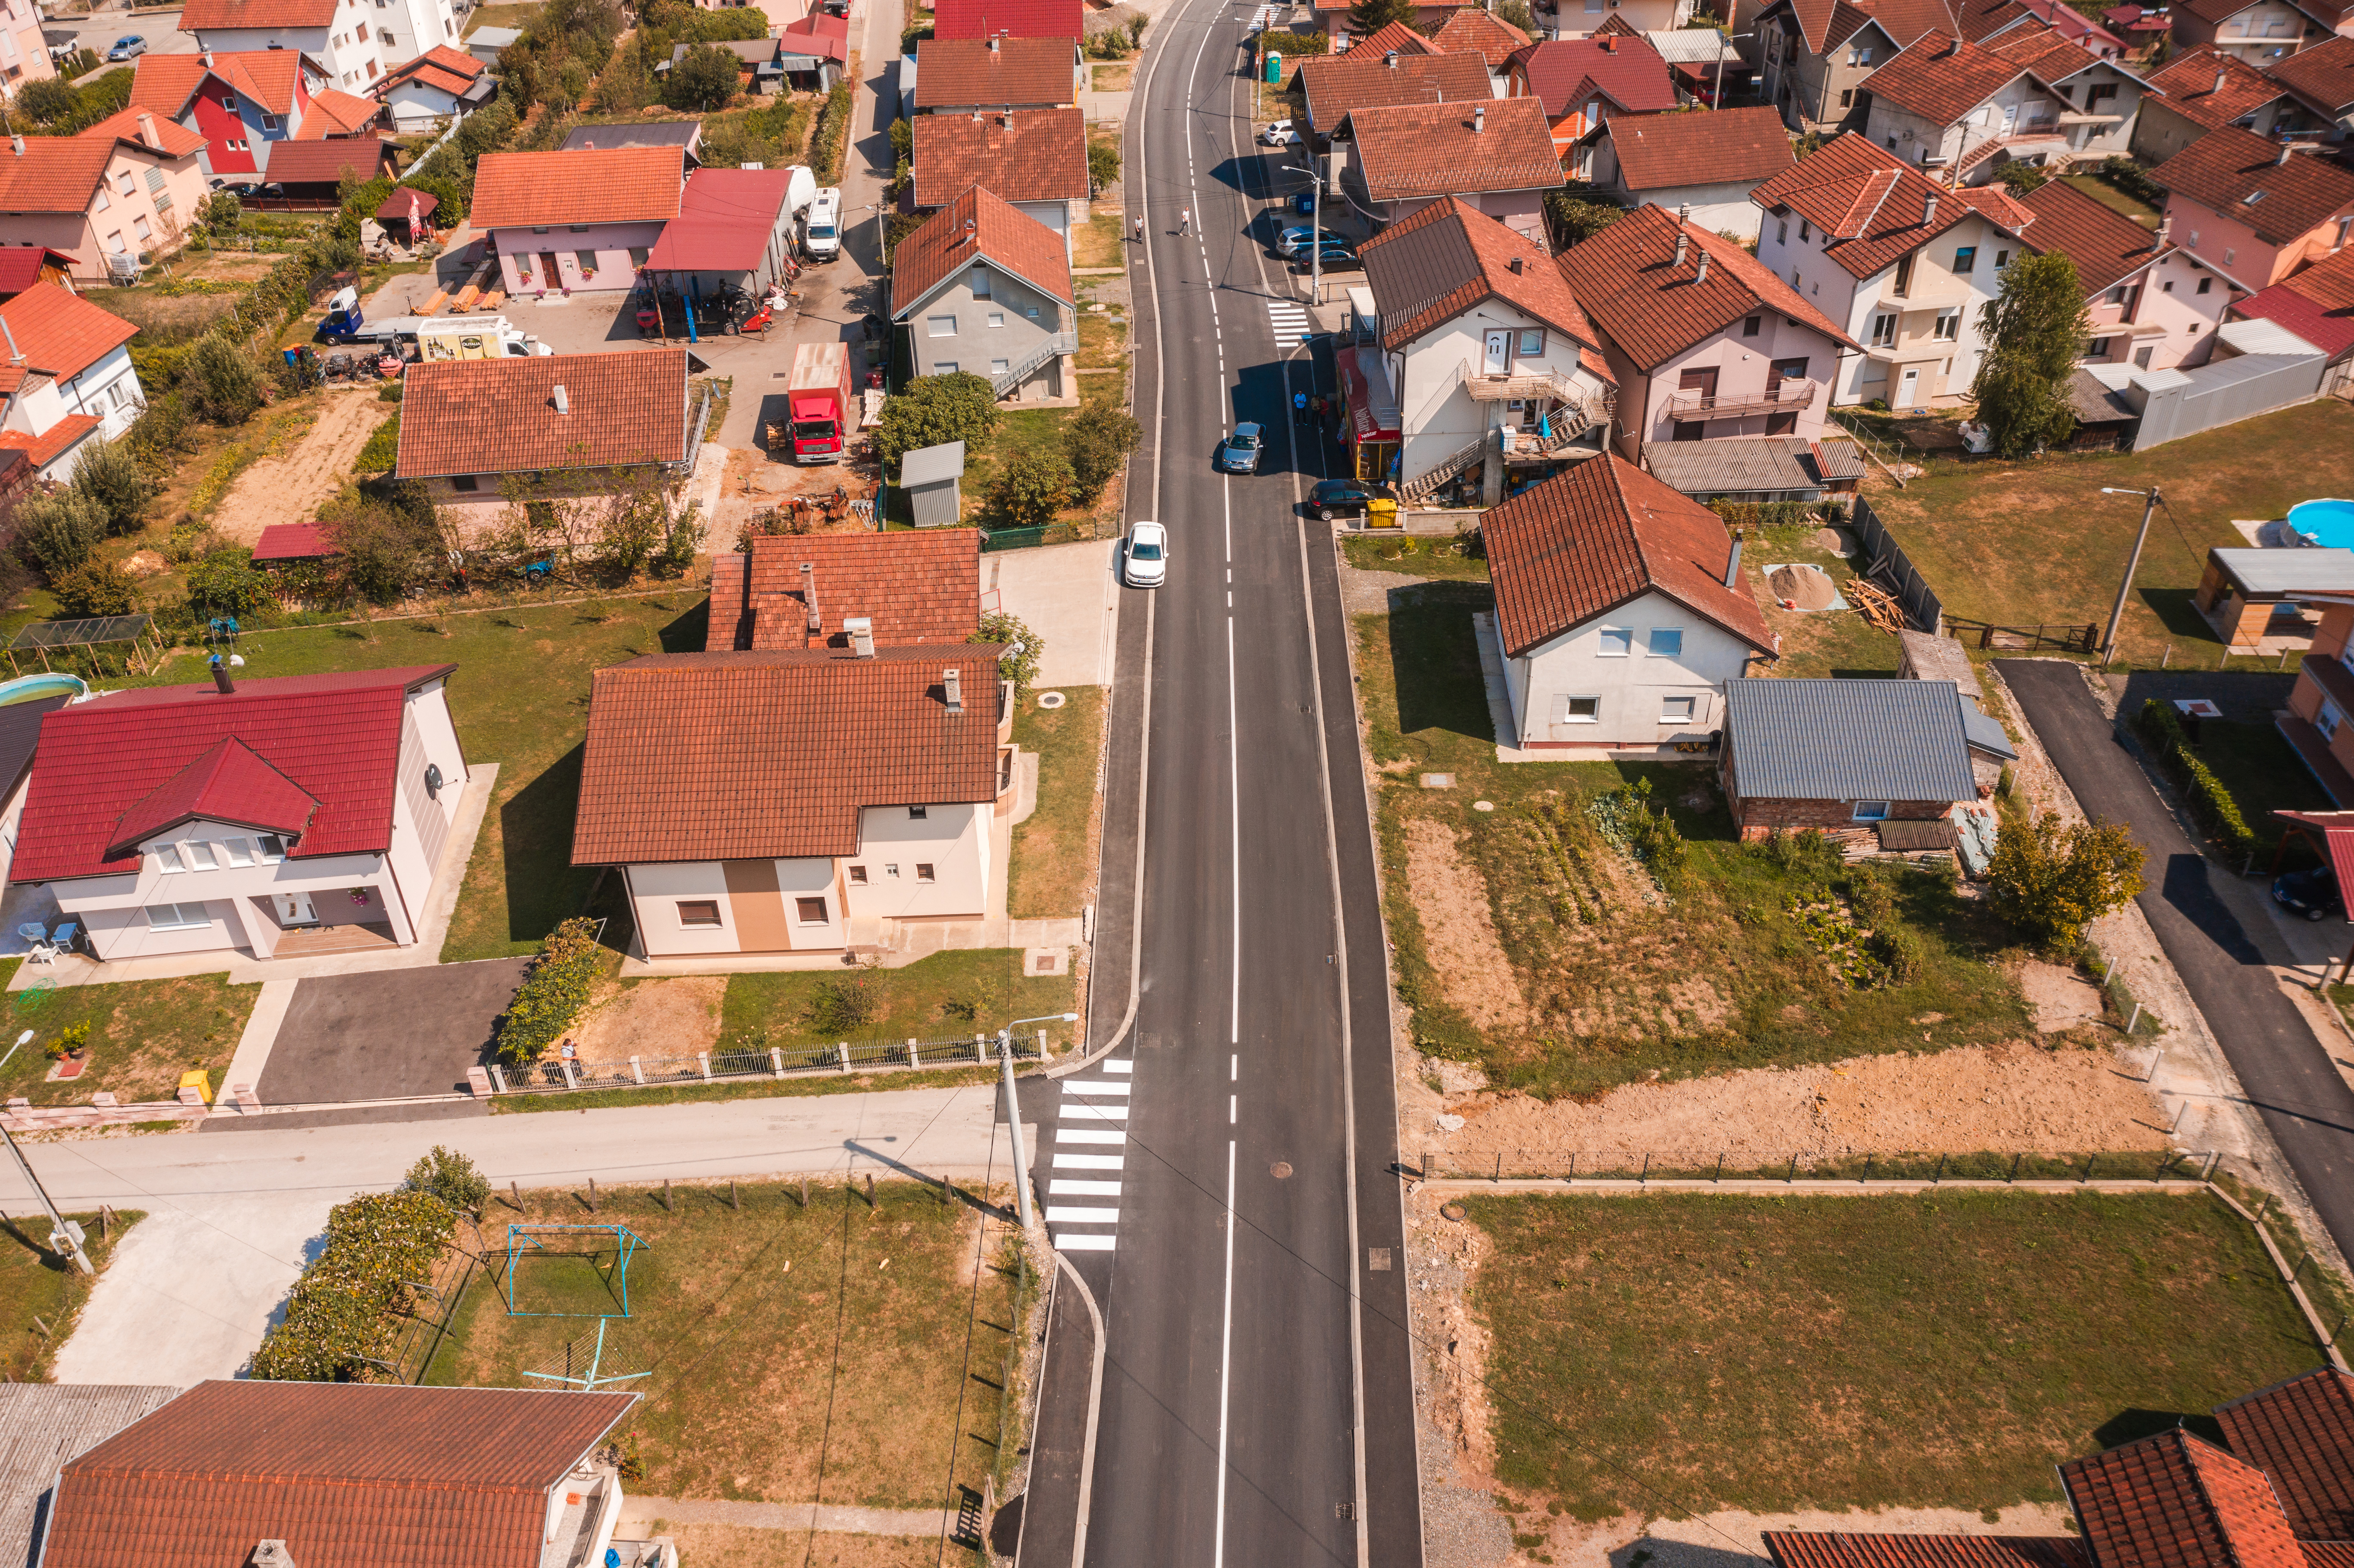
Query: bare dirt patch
x=1464, y=947
x=2061, y=998
x=289, y=485
x=1805, y=587
x=652, y=1018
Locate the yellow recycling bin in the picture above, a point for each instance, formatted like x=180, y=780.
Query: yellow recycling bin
x=1381, y=512
x=197, y=1078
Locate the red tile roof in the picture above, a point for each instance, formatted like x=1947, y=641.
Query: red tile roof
x=1941, y=77
x=1587, y=541
x=335, y=113
x=1409, y=150
x=450, y=70
x=771, y=756
x=2105, y=244
x=1630, y=73
x=1629, y=281
x=303, y=162
x=2174, y=1501
x=344, y=1473
x=1658, y=152
x=2235, y=173
x=1029, y=154
x=293, y=542
x=265, y=15
x=62, y=334
x=1996, y=203
x=499, y=415
x=919, y=588
x=227, y=782
x=1844, y=1549
x=1482, y=33
x=620, y=184
x=2188, y=81
x=725, y=220
x=53, y=174
x=335, y=737
x=166, y=82
x=1873, y=204
x=2300, y=1432
x=52, y=443
x=1013, y=18
x=2323, y=76
x=1018, y=73
x=1335, y=86
x=20, y=266
x=1432, y=265
x=172, y=140
x=817, y=35
x=2328, y=328
x=1394, y=35
x=1001, y=235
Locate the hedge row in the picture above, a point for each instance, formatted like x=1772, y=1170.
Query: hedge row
x=346, y=1306
x=828, y=140
x=552, y=994
x=1777, y=513
x=2211, y=803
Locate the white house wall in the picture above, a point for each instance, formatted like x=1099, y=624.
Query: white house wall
x=656, y=890
x=953, y=839
x=114, y=908
x=1437, y=414
x=1632, y=689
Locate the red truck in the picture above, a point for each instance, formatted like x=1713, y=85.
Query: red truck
x=820, y=403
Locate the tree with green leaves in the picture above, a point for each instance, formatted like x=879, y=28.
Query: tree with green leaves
x=1575, y=218
x=1097, y=440
x=1031, y=488
x=96, y=588
x=223, y=383
x=2034, y=330
x=1516, y=13
x=110, y=476
x=2052, y=879
x=935, y=409
x=450, y=1177
x=1023, y=648
x=703, y=78
x=1369, y=16
x=56, y=533
x=1103, y=165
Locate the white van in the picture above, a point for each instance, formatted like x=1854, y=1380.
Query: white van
x=821, y=235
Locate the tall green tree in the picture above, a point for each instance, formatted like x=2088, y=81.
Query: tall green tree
x=934, y=410
x=703, y=78
x=1371, y=16
x=2052, y=879
x=2034, y=329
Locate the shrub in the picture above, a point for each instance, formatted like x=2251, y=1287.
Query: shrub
x=1031, y=488
x=1805, y=853
x=1097, y=440
x=225, y=581
x=224, y=384
x=222, y=212
x=933, y=409
x=94, y=588
x=552, y=994
x=1768, y=513
x=1103, y=167
x=383, y=448
x=450, y=1177
x=56, y=533
x=158, y=438
x=47, y=99
x=1900, y=953
x=2052, y=879
x=2021, y=178
x=345, y=1309
x=831, y=134
x=840, y=1003
x=1574, y=218
x=2130, y=175
x=386, y=538
x=2211, y=801
x=109, y=477
x=1023, y=648
x=1867, y=895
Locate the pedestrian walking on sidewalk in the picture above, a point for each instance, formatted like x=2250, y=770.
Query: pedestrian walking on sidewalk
x=1185, y=220
x=1300, y=408
x=1139, y=229
x=1316, y=410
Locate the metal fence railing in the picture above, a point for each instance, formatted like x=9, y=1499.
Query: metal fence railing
x=554, y=1074
x=1879, y=556
x=1715, y=1165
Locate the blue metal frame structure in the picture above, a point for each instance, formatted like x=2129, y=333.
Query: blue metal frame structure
x=626, y=1242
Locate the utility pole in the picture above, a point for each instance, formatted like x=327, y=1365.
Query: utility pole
x=1014, y=1131
x=2150, y=499
x=65, y=1236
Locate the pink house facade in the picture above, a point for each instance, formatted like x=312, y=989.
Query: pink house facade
x=2151, y=305
x=2252, y=210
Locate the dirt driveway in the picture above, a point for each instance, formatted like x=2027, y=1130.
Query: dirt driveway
x=289, y=485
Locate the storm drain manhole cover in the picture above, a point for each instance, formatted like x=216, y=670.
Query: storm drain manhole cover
x=1281, y=1170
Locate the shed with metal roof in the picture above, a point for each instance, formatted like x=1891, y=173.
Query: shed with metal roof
x=1842, y=757
x=930, y=476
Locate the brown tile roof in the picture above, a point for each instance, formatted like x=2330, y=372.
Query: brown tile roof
x=1997, y=205
x=1941, y=77
x=1410, y=150
x=1859, y=1548
x=1017, y=18
x=2226, y=168
x=441, y=66
x=1631, y=73
x=1019, y=73
x=1482, y=33
x=1825, y=24
x=2045, y=53
x=620, y=184
x=1980, y=20
x=919, y=588
x=2174, y=1501
x=1394, y=35
x=52, y=443
x=1001, y=235
x=2188, y=83
x=303, y=162
x=1587, y=541
x=498, y=416
x=391, y=1476
x=2300, y=1432
x=172, y=140
x=1029, y=154
x=335, y=113
x=1873, y=204
x=62, y=334
x=2105, y=244
x=771, y=756
x=1358, y=80
x=265, y=76
x=2322, y=76
x=53, y=174
x=267, y=16
x=1434, y=264
x=1627, y=279
x=1656, y=152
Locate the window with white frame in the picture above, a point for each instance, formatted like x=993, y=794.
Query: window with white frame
x=1883, y=330
x=237, y=851
x=272, y=848
x=944, y=368
x=997, y=318
x=1677, y=710
x=1949, y=325
x=176, y=916
x=167, y=858
x=269, y=123
x=1667, y=641
x=1567, y=709
x=1000, y=366
x=1531, y=343
x=1617, y=643
x=941, y=326
x=200, y=856
x=980, y=282
x=146, y=230
x=1872, y=810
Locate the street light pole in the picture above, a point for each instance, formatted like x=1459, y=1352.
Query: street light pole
x=2150, y=499
x=64, y=1235
x=1022, y=1205
x=1315, y=226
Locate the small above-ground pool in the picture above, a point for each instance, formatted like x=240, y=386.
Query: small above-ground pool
x=2330, y=524
x=31, y=688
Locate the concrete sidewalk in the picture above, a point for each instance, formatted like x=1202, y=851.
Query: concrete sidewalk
x=1068, y=595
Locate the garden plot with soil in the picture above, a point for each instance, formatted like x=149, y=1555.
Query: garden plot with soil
x=288, y=486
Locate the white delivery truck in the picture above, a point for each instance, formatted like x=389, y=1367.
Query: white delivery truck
x=800, y=189
x=821, y=233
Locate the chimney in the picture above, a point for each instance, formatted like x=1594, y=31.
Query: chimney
x=969, y=226
x=808, y=598
x=1683, y=212
x=226, y=688
x=1929, y=209
x=147, y=132
x=1953, y=46
x=2219, y=80
x=1733, y=565
x=1683, y=246
x=1390, y=59
x=17, y=142
x=992, y=43
x=1478, y=119
x=207, y=57
x=1005, y=120
x=563, y=402
x=861, y=635
x=976, y=114
x=1517, y=263
x=2165, y=228
x=952, y=682
x=1610, y=43
x=1702, y=276
x=16, y=354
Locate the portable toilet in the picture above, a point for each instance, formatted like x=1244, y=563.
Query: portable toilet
x=1275, y=69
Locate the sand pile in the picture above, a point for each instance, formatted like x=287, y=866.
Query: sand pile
x=1807, y=587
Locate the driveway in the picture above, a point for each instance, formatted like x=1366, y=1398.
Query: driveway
x=388, y=1035
x=2211, y=926
x=1068, y=595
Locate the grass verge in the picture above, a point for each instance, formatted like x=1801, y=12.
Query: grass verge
x=799, y=1083
x=143, y=1036
x=1051, y=862
x=1944, y=1349
x=942, y=997
x=1420, y=556
x=795, y=1354
x=37, y=1283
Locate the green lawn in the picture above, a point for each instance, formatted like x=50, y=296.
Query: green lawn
x=1052, y=858
x=143, y=1034
x=1673, y=1354
x=2032, y=542
x=2108, y=196
x=1102, y=240
x=836, y=1354
x=1028, y=429
x=501, y=16
x=801, y=1084
x=1419, y=555
x=37, y=1283
x=2263, y=772
x=948, y=996
x=1592, y=978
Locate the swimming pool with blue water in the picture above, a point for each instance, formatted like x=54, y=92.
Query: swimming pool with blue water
x=2330, y=524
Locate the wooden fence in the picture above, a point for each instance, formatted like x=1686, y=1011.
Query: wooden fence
x=1879, y=558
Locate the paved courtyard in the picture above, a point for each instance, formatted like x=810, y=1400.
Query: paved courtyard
x=389, y=1035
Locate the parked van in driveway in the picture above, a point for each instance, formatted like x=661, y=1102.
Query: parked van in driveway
x=821, y=235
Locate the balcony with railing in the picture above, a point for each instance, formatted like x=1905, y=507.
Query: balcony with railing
x=1013, y=375
x=1785, y=397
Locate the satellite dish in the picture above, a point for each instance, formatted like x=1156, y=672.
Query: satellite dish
x=236, y=661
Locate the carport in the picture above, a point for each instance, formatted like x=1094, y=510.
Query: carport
x=2331, y=834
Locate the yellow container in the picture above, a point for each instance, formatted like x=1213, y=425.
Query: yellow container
x=1381, y=512
x=197, y=1078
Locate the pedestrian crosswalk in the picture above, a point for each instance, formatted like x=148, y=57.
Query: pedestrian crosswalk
x=1288, y=319
x=1093, y=1117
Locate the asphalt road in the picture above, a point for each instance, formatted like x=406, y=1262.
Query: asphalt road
x=2284, y=1072
x=1258, y=1403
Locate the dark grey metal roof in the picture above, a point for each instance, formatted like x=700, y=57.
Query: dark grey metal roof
x=1985, y=734
x=1847, y=740
x=44, y=1424
x=654, y=134
x=1754, y=463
